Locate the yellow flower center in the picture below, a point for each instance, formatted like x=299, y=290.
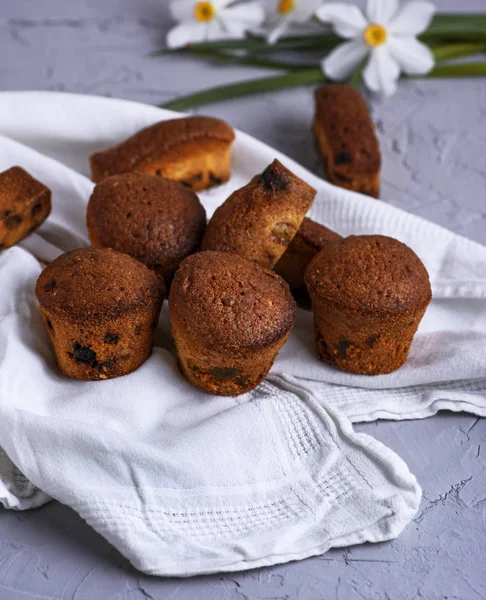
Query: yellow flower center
x=375, y=35
x=204, y=11
x=286, y=6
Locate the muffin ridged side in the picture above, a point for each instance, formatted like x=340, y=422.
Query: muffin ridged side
x=369, y=294
x=100, y=308
x=229, y=318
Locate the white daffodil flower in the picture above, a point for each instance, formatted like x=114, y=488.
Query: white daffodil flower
x=212, y=20
x=288, y=12
x=387, y=33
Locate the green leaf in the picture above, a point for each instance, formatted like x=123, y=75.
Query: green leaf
x=451, y=51
x=245, y=88
x=462, y=70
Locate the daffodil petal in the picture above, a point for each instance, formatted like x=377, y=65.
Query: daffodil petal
x=305, y=9
x=186, y=33
x=279, y=29
x=381, y=11
x=346, y=19
x=249, y=14
x=341, y=62
x=413, y=57
x=182, y=10
x=217, y=30
x=381, y=72
x=218, y=4
x=412, y=18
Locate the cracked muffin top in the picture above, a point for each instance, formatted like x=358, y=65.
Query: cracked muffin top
x=156, y=220
x=229, y=302
x=97, y=283
x=369, y=273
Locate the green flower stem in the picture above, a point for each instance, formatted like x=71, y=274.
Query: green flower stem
x=446, y=52
x=355, y=78
x=444, y=26
x=456, y=32
x=326, y=41
x=245, y=88
x=463, y=70
x=254, y=61
x=450, y=51
x=322, y=41
x=299, y=78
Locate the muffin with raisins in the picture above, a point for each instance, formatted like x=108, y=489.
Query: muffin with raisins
x=100, y=308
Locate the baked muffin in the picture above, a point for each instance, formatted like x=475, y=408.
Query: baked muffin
x=229, y=319
x=260, y=220
x=193, y=150
x=25, y=203
x=100, y=308
x=156, y=220
x=369, y=294
x=310, y=239
x=346, y=139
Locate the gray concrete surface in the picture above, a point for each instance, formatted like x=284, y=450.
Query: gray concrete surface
x=433, y=137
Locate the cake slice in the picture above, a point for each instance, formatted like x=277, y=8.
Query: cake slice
x=346, y=139
x=25, y=203
x=193, y=150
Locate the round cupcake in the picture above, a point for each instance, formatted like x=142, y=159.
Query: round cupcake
x=100, y=309
x=259, y=220
x=156, y=220
x=368, y=294
x=229, y=319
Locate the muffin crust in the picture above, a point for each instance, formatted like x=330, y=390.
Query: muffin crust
x=346, y=139
x=25, y=203
x=229, y=318
x=153, y=219
x=369, y=294
x=310, y=239
x=260, y=220
x=193, y=150
x=100, y=308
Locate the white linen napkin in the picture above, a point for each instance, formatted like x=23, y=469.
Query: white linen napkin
x=446, y=368
x=182, y=482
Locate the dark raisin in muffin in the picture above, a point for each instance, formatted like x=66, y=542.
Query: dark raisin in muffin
x=229, y=319
x=346, y=139
x=25, y=203
x=157, y=221
x=193, y=150
x=369, y=294
x=260, y=220
x=100, y=308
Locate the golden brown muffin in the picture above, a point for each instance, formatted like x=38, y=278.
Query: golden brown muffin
x=310, y=239
x=346, y=139
x=259, y=220
x=24, y=204
x=193, y=150
x=156, y=220
x=100, y=308
x=369, y=294
x=229, y=319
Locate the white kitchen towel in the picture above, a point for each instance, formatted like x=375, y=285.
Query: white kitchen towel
x=182, y=482
x=446, y=368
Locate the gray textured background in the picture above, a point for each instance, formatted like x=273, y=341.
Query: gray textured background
x=434, y=146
